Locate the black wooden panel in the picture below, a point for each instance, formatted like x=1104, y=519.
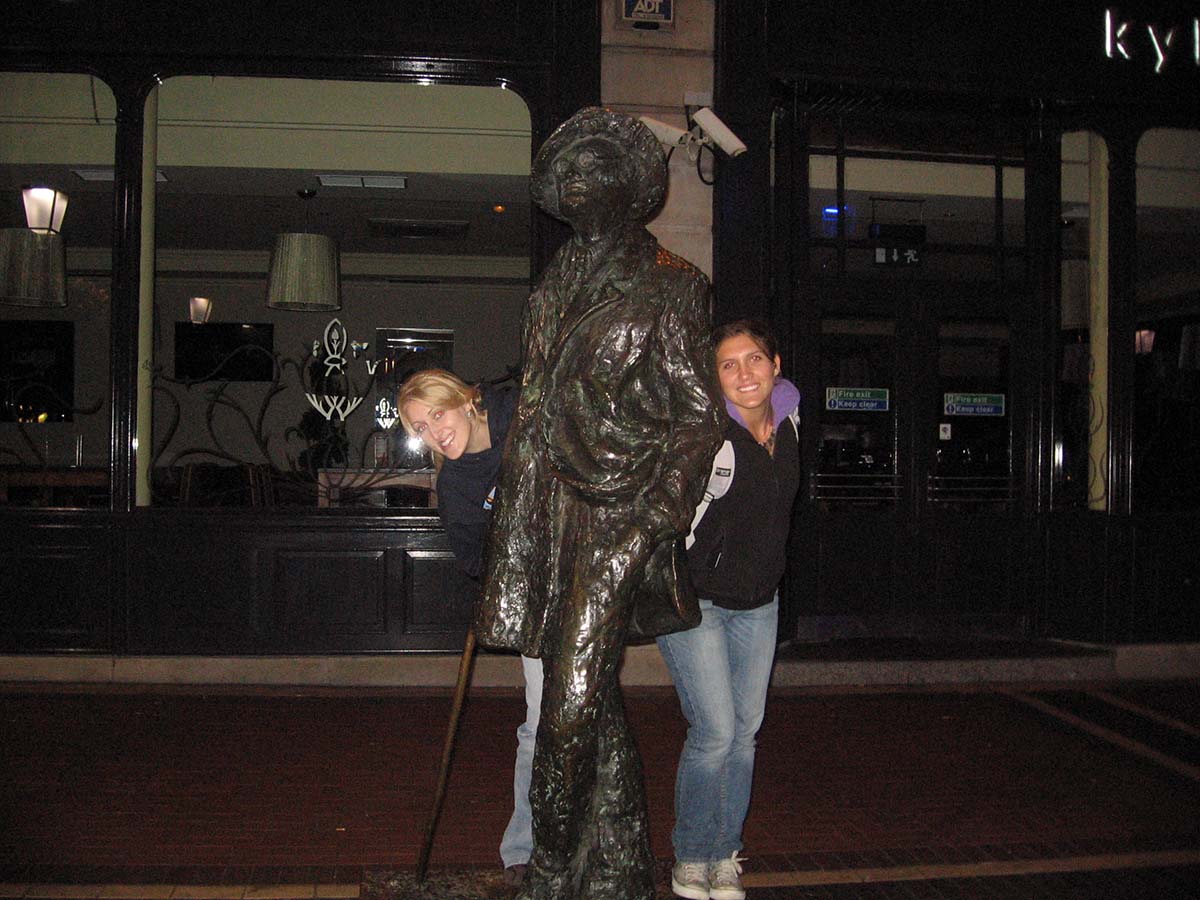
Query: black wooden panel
x=857, y=564
x=1077, y=560
x=971, y=562
x=1166, y=586
x=55, y=588
x=347, y=595
x=190, y=588
x=441, y=598
x=1053, y=49
x=232, y=27
x=330, y=591
x=234, y=583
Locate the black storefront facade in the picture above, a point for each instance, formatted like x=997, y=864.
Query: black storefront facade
x=948, y=427
x=944, y=451
x=120, y=578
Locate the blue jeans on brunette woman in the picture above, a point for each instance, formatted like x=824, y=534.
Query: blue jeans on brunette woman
x=721, y=669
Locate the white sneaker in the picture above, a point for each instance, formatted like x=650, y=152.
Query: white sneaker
x=690, y=880
x=723, y=880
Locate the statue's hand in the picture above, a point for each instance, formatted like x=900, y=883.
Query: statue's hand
x=654, y=520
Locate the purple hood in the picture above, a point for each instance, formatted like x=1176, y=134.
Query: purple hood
x=785, y=398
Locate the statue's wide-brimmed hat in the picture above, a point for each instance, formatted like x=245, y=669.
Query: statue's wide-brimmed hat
x=647, y=162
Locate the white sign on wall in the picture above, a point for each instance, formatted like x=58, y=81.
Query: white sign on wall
x=648, y=13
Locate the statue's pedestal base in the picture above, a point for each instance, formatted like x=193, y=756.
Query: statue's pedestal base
x=439, y=884
x=461, y=884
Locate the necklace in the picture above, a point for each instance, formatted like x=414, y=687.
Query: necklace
x=769, y=441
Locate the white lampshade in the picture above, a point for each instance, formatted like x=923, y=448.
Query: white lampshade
x=44, y=209
x=304, y=273
x=33, y=268
x=199, y=309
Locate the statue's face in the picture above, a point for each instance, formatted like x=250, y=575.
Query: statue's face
x=591, y=183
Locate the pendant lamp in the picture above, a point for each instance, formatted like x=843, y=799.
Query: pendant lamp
x=304, y=270
x=44, y=209
x=199, y=309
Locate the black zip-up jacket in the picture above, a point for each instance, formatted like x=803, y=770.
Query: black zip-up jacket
x=465, y=485
x=740, y=550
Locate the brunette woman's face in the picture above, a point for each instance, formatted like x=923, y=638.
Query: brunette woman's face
x=445, y=430
x=746, y=372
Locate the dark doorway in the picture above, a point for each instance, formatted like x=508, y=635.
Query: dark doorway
x=907, y=285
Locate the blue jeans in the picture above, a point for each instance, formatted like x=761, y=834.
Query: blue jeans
x=721, y=669
x=517, y=843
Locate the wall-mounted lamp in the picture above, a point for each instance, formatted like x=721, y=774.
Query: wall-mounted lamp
x=199, y=309
x=304, y=270
x=44, y=209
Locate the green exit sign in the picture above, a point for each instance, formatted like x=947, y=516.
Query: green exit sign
x=847, y=399
x=959, y=404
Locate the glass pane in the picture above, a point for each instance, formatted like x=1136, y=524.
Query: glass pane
x=972, y=456
x=1076, y=464
x=823, y=214
x=422, y=192
x=875, y=133
x=920, y=200
x=57, y=132
x=1166, y=472
x=857, y=458
x=1014, y=208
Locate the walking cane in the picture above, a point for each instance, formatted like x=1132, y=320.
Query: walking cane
x=460, y=693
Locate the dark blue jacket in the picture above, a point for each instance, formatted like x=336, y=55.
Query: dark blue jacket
x=466, y=486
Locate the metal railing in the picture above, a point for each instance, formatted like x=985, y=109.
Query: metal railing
x=969, y=489
x=858, y=487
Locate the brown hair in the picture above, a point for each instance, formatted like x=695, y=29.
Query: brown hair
x=437, y=387
x=755, y=329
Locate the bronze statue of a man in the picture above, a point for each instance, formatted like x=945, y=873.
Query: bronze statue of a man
x=608, y=456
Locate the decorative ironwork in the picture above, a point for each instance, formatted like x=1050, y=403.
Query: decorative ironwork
x=339, y=404
x=250, y=457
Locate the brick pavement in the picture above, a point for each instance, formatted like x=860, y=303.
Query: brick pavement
x=283, y=786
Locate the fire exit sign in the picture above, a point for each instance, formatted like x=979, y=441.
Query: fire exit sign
x=845, y=399
x=957, y=404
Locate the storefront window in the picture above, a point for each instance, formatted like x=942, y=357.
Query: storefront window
x=1079, y=448
x=56, y=133
x=945, y=207
x=1166, y=465
x=858, y=427
x=285, y=399
x=971, y=465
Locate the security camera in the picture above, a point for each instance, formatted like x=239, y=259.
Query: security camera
x=668, y=135
x=718, y=131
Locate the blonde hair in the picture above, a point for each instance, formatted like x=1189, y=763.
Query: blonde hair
x=435, y=387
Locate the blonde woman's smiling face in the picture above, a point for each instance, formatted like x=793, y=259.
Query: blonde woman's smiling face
x=446, y=430
x=746, y=372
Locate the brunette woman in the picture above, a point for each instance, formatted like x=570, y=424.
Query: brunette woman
x=736, y=557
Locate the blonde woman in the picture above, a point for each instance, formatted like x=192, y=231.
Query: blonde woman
x=466, y=426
